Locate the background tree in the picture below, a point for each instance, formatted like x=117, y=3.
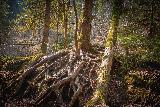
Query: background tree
x=76, y=29
x=65, y=21
x=46, y=27
x=86, y=25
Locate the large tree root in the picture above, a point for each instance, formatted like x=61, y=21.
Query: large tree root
x=22, y=78
x=60, y=80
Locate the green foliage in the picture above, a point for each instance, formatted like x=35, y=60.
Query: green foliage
x=11, y=63
x=15, y=63
x=140, y=48
x=31, y=16
x=100, y=5
x=4, y=21
x=60, y=44
x=131, y=40
x=57, y=46
x=154, y=49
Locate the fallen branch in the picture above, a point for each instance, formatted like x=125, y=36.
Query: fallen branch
x=76, y=95
x=60, y=83
x=44, y=60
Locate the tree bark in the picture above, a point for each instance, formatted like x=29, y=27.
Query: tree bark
x=57, y=27
x=65, y=23
x=86, y=25
x=46, y=27
x=75, y=35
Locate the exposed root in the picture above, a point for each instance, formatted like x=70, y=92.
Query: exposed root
x=65, y=78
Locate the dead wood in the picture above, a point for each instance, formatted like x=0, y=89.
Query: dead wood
x=63, y=76
x=44, y=60
x=41, y=73
x=20, y=80
x=56, y=86
x=76, y=95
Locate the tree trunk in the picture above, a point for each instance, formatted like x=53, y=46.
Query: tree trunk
x=65, y=23
x=86, y=25
x=46, y=27
x=75, y=35
x=57, y=27
x=104, y=72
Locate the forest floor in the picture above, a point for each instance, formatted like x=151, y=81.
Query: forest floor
x=67, y=80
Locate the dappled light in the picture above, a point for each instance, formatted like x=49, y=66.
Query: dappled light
x=79, y=53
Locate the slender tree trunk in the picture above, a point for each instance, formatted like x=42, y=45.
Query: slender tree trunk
x=75, y=34
x=46, y=27
x=57, y=27
x=86, y=25
x=104, y=73
x=65, y=32
x=65, y=23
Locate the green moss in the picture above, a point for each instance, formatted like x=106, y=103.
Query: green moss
x=13, y=63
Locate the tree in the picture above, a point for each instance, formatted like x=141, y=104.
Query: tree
x=75, y=35
x=104, y=73
x=46, y=27
x=86, y=25
x=65, y=22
